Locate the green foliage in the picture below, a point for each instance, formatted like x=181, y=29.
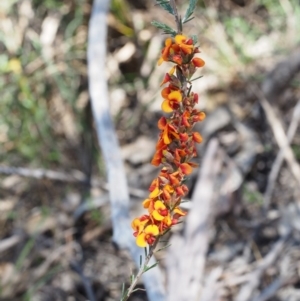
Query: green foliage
x=146, y=268
x=165, y=28
x=166, y=6
x=31, y=131
x=195, y=39
x=190, y=10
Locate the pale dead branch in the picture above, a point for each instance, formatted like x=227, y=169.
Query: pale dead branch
x=187, y=256
x=280, y=156
x=119, y=195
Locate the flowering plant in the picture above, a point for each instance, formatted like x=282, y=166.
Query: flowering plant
x=176, y=143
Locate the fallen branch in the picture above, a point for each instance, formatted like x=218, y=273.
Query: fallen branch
x=187, y=256
x=9, y=242
x=75, y=176
x=119, y=195
x=279, y=134
x=254, y=277
x=280, y=156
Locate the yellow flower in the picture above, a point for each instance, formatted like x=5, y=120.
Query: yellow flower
x=160, y=211
x=147, y=236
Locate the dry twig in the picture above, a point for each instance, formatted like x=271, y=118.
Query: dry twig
x=280, y=156
x=187, y=256
x=254, y=277
x=75, y=176
x=119, y=196
x=279, y=133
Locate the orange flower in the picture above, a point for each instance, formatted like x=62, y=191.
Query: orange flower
x=176, y=145
x=197, y=62
x=166, y=51
x=186, y=168
x=198, y=116
x=138, y=224
x=185, y=44
x=177, y=214
x=149, y=204
x=167, y=191
x=197, y=137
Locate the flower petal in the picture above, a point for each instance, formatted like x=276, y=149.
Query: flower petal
x=180, y=212
x=154, y=193
x=167, y=220
x=168, y=42
x=152, y=229
x=160, y=61
x=165, y=106
x=197, y=137
x=135, y=224
x=162, y=122
x=198, y=62
x=156, y=160
x=146, y=203
x=186, y=168
x=179, y=39
x=166, y=137
x=141, y=241
x=165, y=92
x=159, y=205
x=175, y=96
x=157, y=216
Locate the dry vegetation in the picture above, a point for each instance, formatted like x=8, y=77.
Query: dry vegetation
x=55, y=229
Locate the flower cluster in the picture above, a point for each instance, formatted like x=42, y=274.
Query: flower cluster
x=176, y=144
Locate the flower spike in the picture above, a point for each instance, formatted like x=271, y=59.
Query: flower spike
x=176, y=143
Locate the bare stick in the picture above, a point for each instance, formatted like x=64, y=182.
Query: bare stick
x=271, y=290
x=187, y=255
x=119, y=196
x=279, y=134
x=75, y=176
x=254, y=277
x=280, y=156
x=10, y=242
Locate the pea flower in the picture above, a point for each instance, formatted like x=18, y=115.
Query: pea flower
x=176, y=145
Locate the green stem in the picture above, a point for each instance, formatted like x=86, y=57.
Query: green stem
x=177, y=17
x=141, y=271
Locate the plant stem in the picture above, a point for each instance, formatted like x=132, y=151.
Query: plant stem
x=141, y=271
x=177, y=17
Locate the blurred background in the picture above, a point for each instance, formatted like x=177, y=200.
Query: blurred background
x=55, y=231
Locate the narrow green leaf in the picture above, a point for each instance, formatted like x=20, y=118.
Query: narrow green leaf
x=166, y=6
x=123, y=292
x=138, y=289
x=166, y=29
x=145, y=249
x=151, y=267
x=141, y=260
x=188, y=20
x=190, y=10
x=131, y=278
x=196, y=78
x=162, y=248
x=195, y=39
